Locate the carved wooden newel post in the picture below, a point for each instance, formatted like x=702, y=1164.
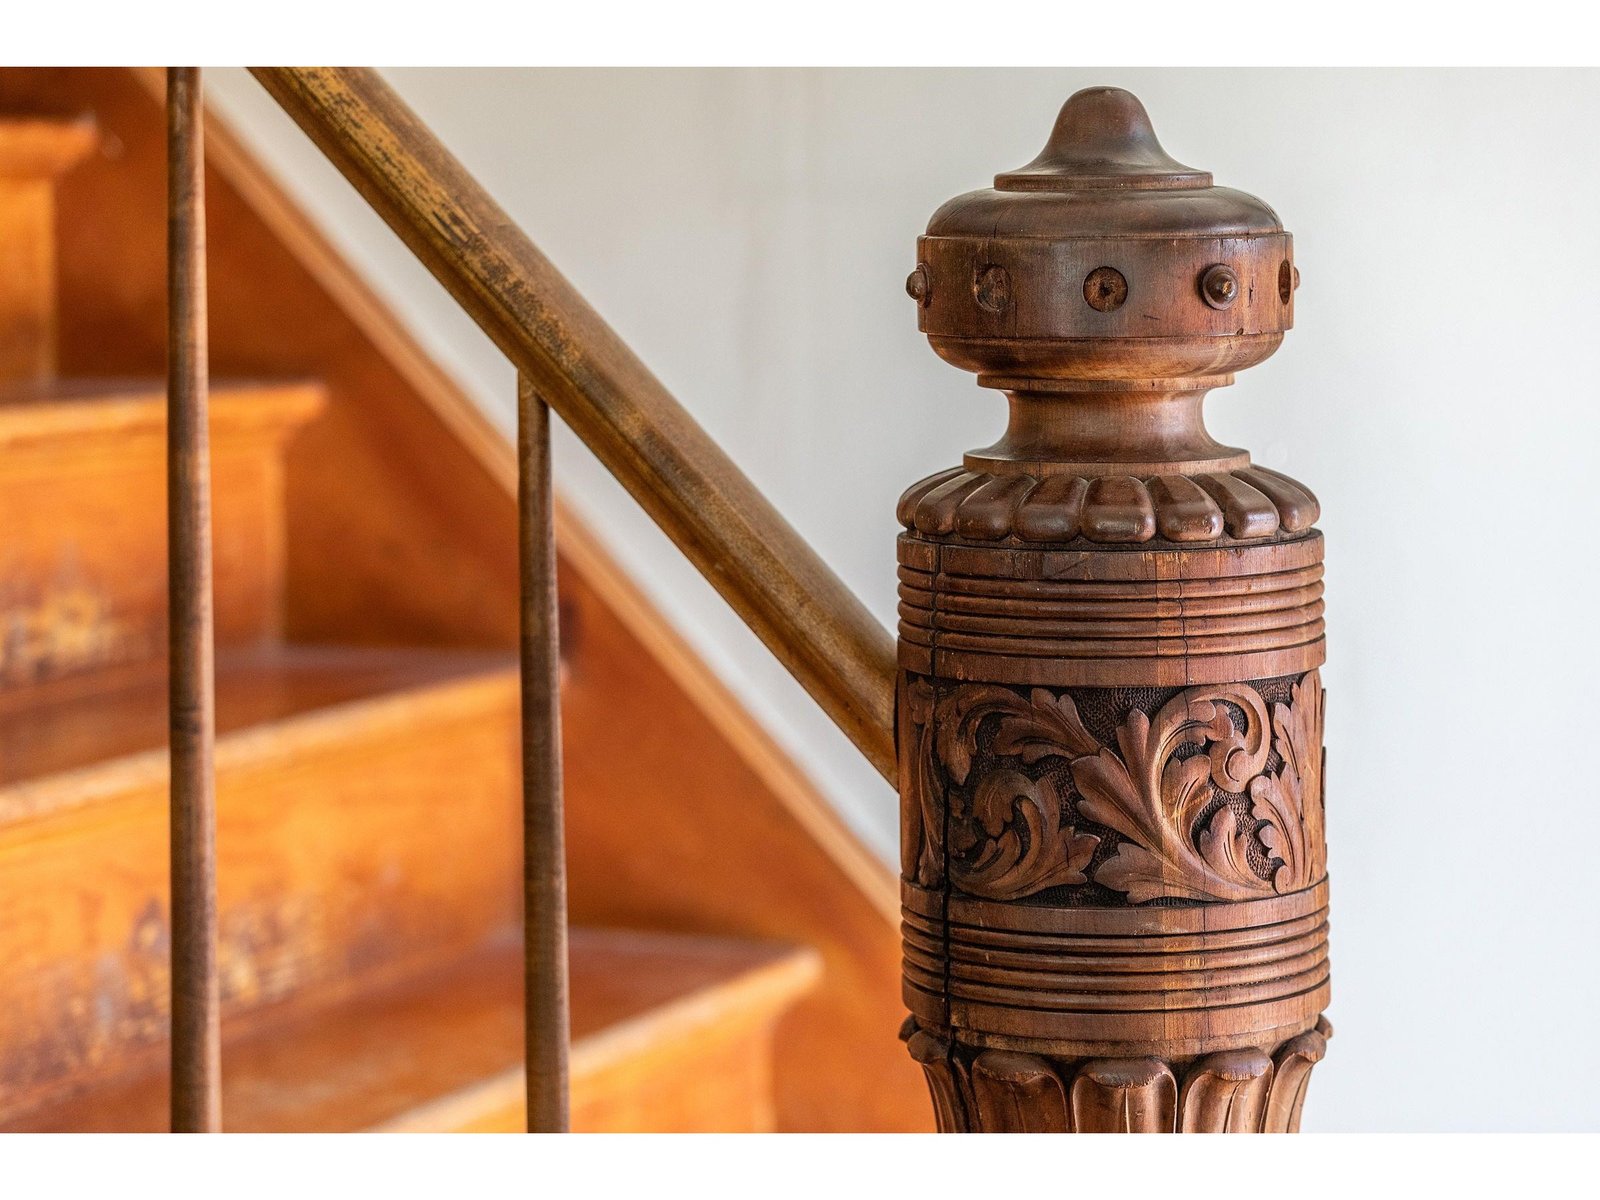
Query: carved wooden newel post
x=1110, y=716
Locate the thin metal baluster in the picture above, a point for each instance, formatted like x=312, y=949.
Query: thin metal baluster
x=544, y=851
x=196, y=1030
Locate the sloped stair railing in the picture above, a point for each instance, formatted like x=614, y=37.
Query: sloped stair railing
x=1105, y=929
x=568, y=359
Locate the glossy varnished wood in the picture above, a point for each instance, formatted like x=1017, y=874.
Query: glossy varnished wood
x=196, y=1002
x=672, y=1033
x=742, y=545
x=83, y=489
x=401, y=528
x=334, y=871
x=400, y=510
x=661, y=836
x=34, y=152
x=59, y=730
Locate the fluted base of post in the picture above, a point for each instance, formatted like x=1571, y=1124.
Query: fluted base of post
x=1007, y=1091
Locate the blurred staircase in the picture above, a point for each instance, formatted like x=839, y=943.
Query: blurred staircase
x=367, y=755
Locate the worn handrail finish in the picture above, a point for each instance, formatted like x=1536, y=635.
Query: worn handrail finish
x=806, y=616
x=196, y=1025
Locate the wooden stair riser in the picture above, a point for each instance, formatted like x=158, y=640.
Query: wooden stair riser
x=672, y=1034
x=661, y=838
x=33, y=152
x=27, y=280
x=401, y=525
x=397, y=535
x=718, y=1082
x=714, y=1081
x=350, y=847
x=83, y=552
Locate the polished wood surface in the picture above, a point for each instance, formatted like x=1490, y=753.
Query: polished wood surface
x=722, y=523
x=672, y=1033
x=739, y=841
x=544, y=853
x=400, y=496
x=34, y=152
x=374, y=504
x=1113, y=866
x=334, y=870
x=657, y=751
x=82, y=486
x=58, y=733
x=191, y=698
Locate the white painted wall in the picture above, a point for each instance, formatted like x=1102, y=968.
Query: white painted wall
x=748, y=233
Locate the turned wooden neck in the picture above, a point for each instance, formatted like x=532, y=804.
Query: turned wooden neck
x=1150, y=427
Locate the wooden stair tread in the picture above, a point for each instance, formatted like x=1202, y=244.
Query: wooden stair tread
x=117, y=721
x=437, y=1052
x=38, y=147
x=40, y=411
x=367, y=817
x=398, y=506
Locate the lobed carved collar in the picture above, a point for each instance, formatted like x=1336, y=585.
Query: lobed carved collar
x=1248, y=503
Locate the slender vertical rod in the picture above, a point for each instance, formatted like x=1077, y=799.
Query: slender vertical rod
x=196, y=1029
x=544, y=850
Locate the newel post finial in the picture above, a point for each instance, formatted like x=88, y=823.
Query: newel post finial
x=1110, y=712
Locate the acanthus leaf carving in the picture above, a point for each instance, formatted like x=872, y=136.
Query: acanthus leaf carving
x=1154, y=798
x=1290, y=800
x=1038, y=727
x=922, y=842
x=1014, y=863
x=1014, y=836
x=1011, y=841
x=1226, y=847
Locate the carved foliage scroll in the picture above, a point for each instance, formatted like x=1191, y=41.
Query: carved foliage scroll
x=1154, y=798
x=1010, y=839
x=1290, y=801
x=922, y=808
x=1012, y=830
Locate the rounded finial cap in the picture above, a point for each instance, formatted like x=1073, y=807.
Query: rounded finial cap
x=1102, y=139
x=1104, y=259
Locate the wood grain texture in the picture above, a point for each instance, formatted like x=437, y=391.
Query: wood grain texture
x=401, y=529
x=544, y=851
x=334, y=871
x=733, y=842
x=34, y=151
x=82, y=486
x=672, y=1034
x=1006, y=1091
x=196, y=1008
x=1110, y=713
x=721, y=522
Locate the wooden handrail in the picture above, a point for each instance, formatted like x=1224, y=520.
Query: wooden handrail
x=803, y=612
